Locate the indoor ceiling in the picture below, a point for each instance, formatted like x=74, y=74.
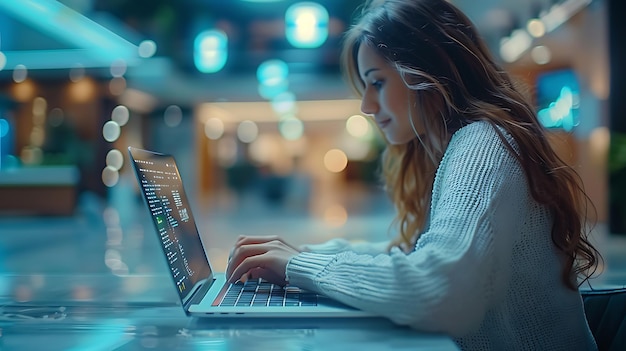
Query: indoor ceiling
x=255, y=31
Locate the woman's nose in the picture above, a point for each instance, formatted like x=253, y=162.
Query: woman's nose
x=368, y=105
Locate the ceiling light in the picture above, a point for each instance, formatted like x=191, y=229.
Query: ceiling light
x=306, y=24
x=210, y=51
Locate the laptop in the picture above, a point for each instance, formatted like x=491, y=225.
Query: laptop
x=202, y=292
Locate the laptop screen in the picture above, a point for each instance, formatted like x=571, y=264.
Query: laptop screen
x=165, y=196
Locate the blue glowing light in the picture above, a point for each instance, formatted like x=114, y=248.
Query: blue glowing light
x=269, y=92
x=4, y=130
x=558, y=99
x=560, y=113
x=210, y=51
x=4, y=127
x=97, y=45
x=306, y=24
x=273, y=78
x=272, y=72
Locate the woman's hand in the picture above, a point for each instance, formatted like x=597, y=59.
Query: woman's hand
x=260, y=257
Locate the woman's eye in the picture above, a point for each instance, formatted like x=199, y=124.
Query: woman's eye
x=377, y=84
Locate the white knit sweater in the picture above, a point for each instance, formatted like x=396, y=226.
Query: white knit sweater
x=484, y=271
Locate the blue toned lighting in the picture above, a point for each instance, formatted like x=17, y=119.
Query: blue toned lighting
x=20, y=73
x=306, y=25
x=147, y=48
x=560, y=113
x=4, y=139
x=284, y=102
x=558, y=99
x=4, y=127
x=273, y=78
x=272, y=72
x=3, y=61
x=58, y=21
x=269, y=92
x=210, y=51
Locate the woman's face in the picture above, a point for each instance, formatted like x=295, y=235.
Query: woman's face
x=386, y=98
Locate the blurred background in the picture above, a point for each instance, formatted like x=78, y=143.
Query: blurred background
x=249, y=98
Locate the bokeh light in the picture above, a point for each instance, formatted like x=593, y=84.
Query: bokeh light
x=20, y=73
x=284, y=102
x=115, y=159
x=37, y=136
x=541, y=55
x=24, y=91
x=599, y=143
x=247, y=131
x=120, y=115
x=111, y=131
x=306, y=24
x=211, y=51
x=173, y=116
x=358, y=126
x=147, y=48
x=335, y=160
x=214, y=128
x=110, y=176
x=39, y=109
x=291, y=128
x=83, y=90
x=4, y=127
x=77, y=73
x=272, y=72
x=117, y=86
x=536, y=28
x=3, y=61
x=118, y=68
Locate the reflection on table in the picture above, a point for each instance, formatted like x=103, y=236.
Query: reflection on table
x=97, y=312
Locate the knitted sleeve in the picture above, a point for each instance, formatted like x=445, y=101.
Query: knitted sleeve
x=340, y=245
x=459, y=265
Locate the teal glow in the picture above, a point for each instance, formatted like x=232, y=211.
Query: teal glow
x=269, y=92
x=272, y=72
x=107, y=336
x=558, y=99
x=561, y=113
x=101, y=45
x=4, y=127
x=284, y=102
x=291, y=128
x=9, y=161
x=210, y=51
x=306, y=25
x=273, y=78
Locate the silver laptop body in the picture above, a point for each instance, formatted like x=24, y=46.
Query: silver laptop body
x=202, y=292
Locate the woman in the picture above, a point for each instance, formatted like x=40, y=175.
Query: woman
x=492, y=231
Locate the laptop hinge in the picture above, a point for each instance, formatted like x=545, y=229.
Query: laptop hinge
x=199, y=294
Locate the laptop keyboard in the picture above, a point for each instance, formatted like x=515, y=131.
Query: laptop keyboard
x=263, y=293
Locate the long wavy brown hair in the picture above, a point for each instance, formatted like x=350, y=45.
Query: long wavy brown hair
x=440, y=56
